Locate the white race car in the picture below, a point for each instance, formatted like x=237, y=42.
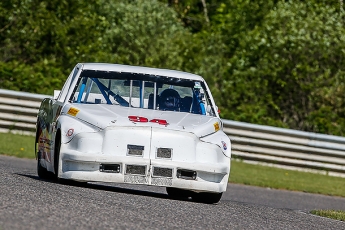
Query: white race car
x=137, y=125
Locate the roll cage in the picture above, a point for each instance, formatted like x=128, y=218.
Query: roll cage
x=140, y=91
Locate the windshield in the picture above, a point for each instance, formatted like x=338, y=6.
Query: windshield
x=142, y=91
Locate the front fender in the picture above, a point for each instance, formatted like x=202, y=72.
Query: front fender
x=70, y=126
x=221, y=139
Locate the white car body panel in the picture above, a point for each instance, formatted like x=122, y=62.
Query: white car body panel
x=188, y=151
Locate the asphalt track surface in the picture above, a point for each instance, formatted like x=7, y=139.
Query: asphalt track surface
x=27, y=202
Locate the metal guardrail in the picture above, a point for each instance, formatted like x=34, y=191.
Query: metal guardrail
x=251, y=143
x=18, y=111
x=287, y=148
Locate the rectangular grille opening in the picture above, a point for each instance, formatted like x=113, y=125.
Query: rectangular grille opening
x=133, y=179
x=109, y=168
x=135, y=150
x=162, y=172
x=161, y=181
x=164, y=152
x=186, y=174
x=136, y=169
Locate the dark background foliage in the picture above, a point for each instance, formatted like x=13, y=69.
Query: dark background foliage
x=278, y=63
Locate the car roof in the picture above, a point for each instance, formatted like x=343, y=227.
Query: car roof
x=140, y=69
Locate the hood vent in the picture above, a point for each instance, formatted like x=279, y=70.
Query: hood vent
x=135, y=150
x=164, y=153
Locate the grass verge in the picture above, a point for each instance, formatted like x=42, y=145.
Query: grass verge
x=333, y=214
x=17, y=145
x=263, y=176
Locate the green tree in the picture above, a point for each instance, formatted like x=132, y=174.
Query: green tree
x=38, y=35
x=42, y=40
x=195, y=14
x=35, y=30
x=146, y=33
x=289, y=71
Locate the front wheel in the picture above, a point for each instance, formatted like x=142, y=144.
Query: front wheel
x=57, y=147
x=207, y=198
x=41, y=171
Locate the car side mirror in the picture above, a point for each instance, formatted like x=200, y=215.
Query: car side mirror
x=217, y=110
x=56, y=94
x=209, y=109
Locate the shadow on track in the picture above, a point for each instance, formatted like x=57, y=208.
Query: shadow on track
x=112, y=187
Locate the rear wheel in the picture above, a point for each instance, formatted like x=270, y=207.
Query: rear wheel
x=207, y=198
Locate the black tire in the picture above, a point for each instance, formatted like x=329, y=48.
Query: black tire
x=178, y=193
x=41, y=171
x=207, y=198
x=57, y=146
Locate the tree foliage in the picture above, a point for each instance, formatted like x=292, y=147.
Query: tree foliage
x=294, y=62
x=143, y=33
x=270, y=62
x=42, y=40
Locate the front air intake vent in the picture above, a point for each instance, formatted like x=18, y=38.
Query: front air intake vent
x=164, y=153
x=136, y=169
x=162, y=172
x=186, y=174
x=109, y=168
x=161, y=181
x=135, y=179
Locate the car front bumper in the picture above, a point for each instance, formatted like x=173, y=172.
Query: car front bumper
x=193, y=164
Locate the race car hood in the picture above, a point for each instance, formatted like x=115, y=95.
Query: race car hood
x=103, y=116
